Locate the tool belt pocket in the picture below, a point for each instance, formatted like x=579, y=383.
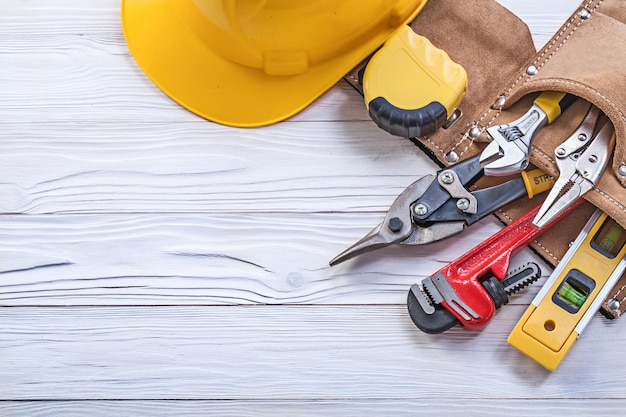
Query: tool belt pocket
x=587, y=58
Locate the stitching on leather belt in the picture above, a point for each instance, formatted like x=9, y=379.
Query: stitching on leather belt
x=555, y=40
x=596, y=92
x=610, y=199
x=548, y=52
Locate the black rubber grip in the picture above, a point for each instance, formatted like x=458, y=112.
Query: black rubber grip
x=407, y=123
x=566, y=101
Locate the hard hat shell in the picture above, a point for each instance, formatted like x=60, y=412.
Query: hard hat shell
x=255, y=62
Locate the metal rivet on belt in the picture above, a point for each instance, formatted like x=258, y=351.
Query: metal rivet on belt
x=584, y=14
x=499, y=102
x=613, y=304
x=532, y=70
x=622, y=170
x=452, y=156
x=474, y=132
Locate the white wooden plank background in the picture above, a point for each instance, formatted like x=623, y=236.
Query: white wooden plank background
x=153, y=263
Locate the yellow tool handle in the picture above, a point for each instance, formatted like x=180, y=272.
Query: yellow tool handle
x=573, y=293
x=553, y=103
x=411, y=87
x=537, y=181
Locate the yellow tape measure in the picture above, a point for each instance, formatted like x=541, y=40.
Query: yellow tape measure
x=411, y=88
x=573, y=293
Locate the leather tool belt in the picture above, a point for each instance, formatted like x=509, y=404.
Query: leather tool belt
x=585, y=57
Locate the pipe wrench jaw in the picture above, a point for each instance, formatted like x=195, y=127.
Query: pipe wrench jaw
x=435, y=317
x=428, y=316
x=434, y=306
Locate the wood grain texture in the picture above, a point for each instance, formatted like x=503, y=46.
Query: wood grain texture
x=256, y=408
x=283, y=353
x=201, y=167
x=214, y=259
x=154, y=263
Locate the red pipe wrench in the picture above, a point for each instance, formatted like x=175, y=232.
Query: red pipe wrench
x=462, y=292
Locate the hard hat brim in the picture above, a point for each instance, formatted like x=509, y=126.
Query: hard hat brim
x=190, y=73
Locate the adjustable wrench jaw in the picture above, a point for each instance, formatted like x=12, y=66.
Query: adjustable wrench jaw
x=507, y=157
x=509, y=150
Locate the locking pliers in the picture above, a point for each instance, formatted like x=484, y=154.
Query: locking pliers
x=581, y=159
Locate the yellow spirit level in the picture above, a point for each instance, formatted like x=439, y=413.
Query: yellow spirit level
x=573, y=293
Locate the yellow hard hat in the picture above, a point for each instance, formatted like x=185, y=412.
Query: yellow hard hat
x=255, y=62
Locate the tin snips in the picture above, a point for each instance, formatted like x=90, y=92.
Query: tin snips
x=438, y=206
